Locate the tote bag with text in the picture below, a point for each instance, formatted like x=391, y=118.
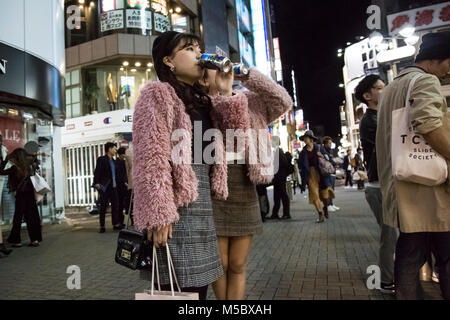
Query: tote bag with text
x=413, y=159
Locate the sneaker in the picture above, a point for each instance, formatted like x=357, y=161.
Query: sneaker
x=435, y=277
x=118, y=228
x=102, y=230
x=16, y=245
x=388, y=288
x=286, y=217
x=331, y=209
x=336, y=208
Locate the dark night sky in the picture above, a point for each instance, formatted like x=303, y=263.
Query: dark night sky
x=310, y=32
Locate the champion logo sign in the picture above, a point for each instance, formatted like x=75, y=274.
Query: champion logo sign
x=107, y=120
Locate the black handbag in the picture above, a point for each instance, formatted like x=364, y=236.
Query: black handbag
x=133, y=248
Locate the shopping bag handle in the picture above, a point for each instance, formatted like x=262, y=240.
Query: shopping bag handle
x=171, y=269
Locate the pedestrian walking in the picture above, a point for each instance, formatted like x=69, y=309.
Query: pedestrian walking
x=295, y=176
x=238, y=218
x=369, y=91
x=173, y=184
x=106, y=183
x=347, y=166
x=264, y=205
x=122, y=183
x=421, y=212
x=359, y=167
x=327, y=142
x=279, y=186
x=320, y=190
x=25, y=205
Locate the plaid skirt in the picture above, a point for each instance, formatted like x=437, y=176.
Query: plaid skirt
x=239, y=215
x=193, y=247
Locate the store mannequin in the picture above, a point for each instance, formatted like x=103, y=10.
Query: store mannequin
x=111, y=93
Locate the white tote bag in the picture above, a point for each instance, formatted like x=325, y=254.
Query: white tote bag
x=165, y=295
x=41, y=187
x=413, y=160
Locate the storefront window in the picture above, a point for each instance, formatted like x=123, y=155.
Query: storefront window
x=181, y=23
x=73, y=99
x=113, y=89
x=19, y=125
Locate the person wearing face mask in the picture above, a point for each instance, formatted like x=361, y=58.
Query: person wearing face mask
x=421, y=212
x=238, y=218
x=173, y=180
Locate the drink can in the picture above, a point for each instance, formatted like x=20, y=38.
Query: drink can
x=240, y=69
x=214, y=61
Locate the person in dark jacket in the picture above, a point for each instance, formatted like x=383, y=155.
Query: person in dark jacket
x=105, y=181
x=348, y=168
x=122, y=182
x=25, y=206
x=319, y=186
x=279, y=186
x=368, y=91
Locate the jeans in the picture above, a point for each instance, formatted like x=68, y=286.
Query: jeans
x=411, y=254
x=388, y=237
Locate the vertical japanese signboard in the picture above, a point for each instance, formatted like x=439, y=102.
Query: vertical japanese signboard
x=111, y=20
x=162, y=23
x=139, y=19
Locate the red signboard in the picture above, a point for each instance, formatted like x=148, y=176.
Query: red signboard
x=12, y=133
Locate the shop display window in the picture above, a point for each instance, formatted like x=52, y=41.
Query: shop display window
x=19, y=125
x=109, y=88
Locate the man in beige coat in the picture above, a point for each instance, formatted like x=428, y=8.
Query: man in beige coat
x=422, y=213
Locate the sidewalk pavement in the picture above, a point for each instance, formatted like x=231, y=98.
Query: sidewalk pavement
x=292, y=259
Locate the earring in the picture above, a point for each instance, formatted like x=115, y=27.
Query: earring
x=172, y=68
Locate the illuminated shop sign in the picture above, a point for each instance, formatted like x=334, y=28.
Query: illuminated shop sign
x=139, y=19
x=111, y=20
x=137, y=4
x=160, y=6
x=162, y=23
x=243, y=14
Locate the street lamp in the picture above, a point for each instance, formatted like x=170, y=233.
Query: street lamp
x=375, y=39
x=407, y=30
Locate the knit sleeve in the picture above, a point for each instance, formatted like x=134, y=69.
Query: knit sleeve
x=273, y=100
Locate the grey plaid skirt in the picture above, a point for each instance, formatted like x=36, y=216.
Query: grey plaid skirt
x=239, y=215
x=193, y=247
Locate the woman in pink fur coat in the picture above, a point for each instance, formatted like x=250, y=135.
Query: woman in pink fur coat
x=250, y=163
x=172, y=193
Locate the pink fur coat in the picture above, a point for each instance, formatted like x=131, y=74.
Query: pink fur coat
x=160, y=185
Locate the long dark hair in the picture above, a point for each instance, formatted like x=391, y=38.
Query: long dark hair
x=22, y=161
x=193, y=97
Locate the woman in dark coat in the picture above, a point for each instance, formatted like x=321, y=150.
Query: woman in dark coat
x=25, y=206
x=319, y=186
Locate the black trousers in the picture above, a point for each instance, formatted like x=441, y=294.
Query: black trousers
x=411, y=253
x=264, y=205
x=122, y=193
x=348, y=178
x=128, y=208
x=110, y=195
x=26, y=209
x=280, y=194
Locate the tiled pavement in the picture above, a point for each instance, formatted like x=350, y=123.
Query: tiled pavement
x=294, y=259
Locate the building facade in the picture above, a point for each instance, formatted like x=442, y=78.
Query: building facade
x=108, y=61
x=31, y=92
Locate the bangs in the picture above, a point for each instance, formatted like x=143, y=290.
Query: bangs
x=187, y=40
